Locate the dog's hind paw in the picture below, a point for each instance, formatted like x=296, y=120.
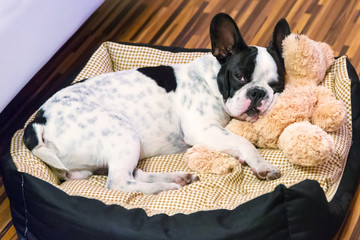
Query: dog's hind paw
x=186, y=178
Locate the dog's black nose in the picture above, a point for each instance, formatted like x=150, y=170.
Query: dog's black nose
x=256, y=94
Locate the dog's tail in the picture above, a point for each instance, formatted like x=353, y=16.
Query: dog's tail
x=33, y=140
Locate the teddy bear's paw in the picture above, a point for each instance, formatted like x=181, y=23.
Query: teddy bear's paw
x=306, y=144
x=267, y=171
x=330, y=116
x=224, y=164
x=204, y=160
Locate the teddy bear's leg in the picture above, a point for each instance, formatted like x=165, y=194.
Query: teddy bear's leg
x=329, y=113
x=306, y=144
x=204, y=160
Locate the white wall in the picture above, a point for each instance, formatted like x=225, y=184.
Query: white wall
x=31, y=31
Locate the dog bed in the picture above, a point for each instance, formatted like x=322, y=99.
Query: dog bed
x=305, y=203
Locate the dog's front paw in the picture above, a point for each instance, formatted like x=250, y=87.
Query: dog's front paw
x=266, y=171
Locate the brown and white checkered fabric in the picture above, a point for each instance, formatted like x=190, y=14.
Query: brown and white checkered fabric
x=212, y=191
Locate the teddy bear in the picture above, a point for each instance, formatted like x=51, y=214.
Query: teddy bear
x=300, y=120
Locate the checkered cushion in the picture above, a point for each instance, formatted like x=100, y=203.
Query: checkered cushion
x=212, y=191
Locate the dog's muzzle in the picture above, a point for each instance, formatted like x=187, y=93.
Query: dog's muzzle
x=256, y=96
x=253, y=104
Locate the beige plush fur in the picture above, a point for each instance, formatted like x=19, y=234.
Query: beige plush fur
x=300, y=119
x=221, y=163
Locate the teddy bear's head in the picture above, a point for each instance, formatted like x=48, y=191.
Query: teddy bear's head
x=306, y=61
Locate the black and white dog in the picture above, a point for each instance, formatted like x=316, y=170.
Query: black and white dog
x=113, y=120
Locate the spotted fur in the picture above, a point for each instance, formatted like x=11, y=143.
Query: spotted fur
x=113, y=120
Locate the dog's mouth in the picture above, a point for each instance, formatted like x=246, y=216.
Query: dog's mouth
x=254, y=111
x=251, y=115
x=248, y=110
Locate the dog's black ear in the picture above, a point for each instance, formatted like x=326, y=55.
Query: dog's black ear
x=225, y=37
x=281, y=31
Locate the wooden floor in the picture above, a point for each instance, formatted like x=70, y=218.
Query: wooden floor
x=184, y=23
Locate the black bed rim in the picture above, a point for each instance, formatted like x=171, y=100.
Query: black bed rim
x=35, y=204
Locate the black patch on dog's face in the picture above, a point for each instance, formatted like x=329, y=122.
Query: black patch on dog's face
x=281, y=31
x=278, y=86
x=164, y=76
x=236, y=72
x=237, y=59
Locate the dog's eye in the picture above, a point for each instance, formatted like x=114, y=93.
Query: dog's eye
x=240, y=77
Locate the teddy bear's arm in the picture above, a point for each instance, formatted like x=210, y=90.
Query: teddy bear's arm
x=205, y=160
x=329, y=113
x=306, y=144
